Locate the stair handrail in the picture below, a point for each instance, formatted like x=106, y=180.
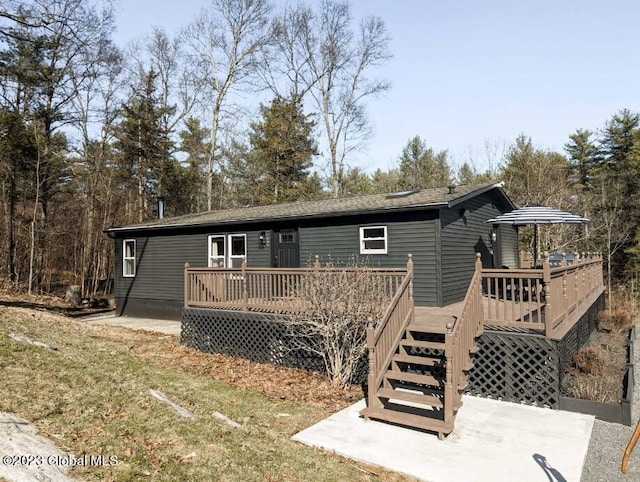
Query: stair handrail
x=459, y=341
x=381, y=349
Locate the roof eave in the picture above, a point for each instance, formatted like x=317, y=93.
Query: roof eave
x=478, y=192
x=226, y=222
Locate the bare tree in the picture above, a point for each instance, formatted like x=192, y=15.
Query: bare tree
x=225, y=42
x=178, y=86
x=325, y=59
x=609, y=231
x=97, y=199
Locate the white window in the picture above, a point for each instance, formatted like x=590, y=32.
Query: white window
x=237, y=250
x=227, y=251
x=373, y=240
x=129, y=258
x=216, y=252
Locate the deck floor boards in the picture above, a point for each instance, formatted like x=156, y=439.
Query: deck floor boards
x=435, y=318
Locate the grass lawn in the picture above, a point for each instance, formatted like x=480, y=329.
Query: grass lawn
x=91, y=396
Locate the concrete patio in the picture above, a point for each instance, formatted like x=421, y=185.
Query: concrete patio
x=493, y=441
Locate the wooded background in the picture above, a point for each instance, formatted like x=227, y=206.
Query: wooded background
x=91, y=134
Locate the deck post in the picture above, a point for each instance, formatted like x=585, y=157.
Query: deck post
x=449, y=380
x=372, y=401
x=577, y=279
x=316, y=264
x=186, y=285
x=546, y=280
x=245, y=295
x=410, y=273
x=563, y=264
x=585, y=276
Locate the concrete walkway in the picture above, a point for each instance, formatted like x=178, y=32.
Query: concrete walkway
x=148, y=324
x=493, y=441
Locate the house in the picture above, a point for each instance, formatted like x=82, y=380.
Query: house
x=442, y=228
x=463, y=317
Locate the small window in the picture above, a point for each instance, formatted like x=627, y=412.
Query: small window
x=216, y=252
x=129, y=258
x=287, y=238
x=373, y=240
x=238, y=251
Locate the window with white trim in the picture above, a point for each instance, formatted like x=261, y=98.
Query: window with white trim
x=373, y=240
x=227, y=251
x=237, y=250
x=216, y=252
x=128, y=258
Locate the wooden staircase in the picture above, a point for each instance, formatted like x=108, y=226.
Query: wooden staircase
x=417, y=373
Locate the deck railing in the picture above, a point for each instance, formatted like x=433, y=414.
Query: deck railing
x=460, y=344
x=540, y=299
x=383, y=339
x=271, y=290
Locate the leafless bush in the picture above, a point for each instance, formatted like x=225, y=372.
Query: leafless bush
x=339, y=302
x=591, y=360
x=619, y=320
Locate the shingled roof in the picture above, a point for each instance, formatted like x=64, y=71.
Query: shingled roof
x=373, y=203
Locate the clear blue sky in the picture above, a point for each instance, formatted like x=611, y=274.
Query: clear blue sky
x=466, y=71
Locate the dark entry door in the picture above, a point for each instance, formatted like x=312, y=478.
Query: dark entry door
x=285, y=249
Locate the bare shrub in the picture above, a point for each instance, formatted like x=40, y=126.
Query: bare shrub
x=339, y=302
x=591, y=360
x=619, y=320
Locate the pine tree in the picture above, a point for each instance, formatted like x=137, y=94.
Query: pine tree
x=583, y=157
x=143, y=149
x=283, y=149
x=421, y=167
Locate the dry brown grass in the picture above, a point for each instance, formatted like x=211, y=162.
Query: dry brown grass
x=95, y=400
x=597, y=371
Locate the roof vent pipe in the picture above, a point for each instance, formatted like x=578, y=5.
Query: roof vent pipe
x=452, y=189
x=160, y=207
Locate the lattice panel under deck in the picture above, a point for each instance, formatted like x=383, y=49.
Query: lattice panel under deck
x=517, y=369
x=258, y=337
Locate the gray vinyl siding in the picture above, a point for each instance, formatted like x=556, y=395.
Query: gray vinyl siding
x=460, y=238
x=403, y=237
x=508, y=242
x=159, y=281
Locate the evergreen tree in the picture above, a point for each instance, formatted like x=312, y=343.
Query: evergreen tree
x=535, y=176
x=143, y=149
x=356, y=182
x=421, y=167
x=283, y=149
x=194, y=142
x=385, y=181
x=583, y=157
x=619, y=177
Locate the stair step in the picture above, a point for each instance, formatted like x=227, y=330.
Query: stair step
x=413, y=397
x=407, y=419
x=418, y=360
x=436, y=345
x=412, y=377
x=433, y=328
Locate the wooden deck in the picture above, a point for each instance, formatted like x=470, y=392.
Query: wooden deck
x=435, y=318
